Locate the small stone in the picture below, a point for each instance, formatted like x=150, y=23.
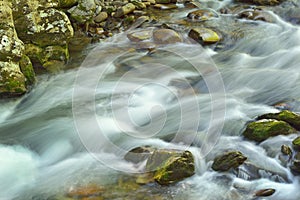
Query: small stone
x=265, y=192
x=166, y=36
x=139, y=35
x=124, y=10
x=228, y=160
x=261, y=2
x=286, y=150
x=139, y=5
x=166, y=1
x=101, y=17
x=204, y=35
x=264, y=129
x=202, y=15
x=165, y=6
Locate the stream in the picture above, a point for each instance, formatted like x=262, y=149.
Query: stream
x=75, y=127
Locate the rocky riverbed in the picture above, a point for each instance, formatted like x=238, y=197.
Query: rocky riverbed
x=47, y=44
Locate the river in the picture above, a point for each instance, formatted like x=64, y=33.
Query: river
x=76, y=126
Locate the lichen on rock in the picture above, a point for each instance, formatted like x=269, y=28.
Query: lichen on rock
x=266, y=128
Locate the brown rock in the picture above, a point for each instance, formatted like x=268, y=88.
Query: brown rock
x=166, y=36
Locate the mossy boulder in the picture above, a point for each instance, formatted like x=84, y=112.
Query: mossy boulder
x=44, y=28
x=27, y=70
x=84, y=11
x=11, y=47
x=12, y=81
x=170, y=166
x=228, y=160
x=296, y=142
x=266, y=128
x=290, y=117
x=52, y=58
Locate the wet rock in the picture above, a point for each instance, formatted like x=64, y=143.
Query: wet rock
x=256, y=14
x=202, y=15
x=263, y=129
x=261, y=2
x=166, y=1
x=228, y=161
x=286, y=150
x=44, y=28
x=170, y=166
x=139, y=154
x=138, y=36
x=265, y=192
x=204, y=36
x=166, y=36
x=101, y=17
x=290, y=117
x=84, y=11
x=165, y=6
x=296, y=142
x=295, y=166
x=87, y=191
x=124, y=10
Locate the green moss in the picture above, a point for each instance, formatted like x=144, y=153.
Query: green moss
x=171, y=166
x=292, y=118
x=228, y=160
x=12, y=81
x=27, y=69
x=263, y=129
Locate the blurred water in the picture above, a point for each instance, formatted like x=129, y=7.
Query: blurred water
x=77, y=125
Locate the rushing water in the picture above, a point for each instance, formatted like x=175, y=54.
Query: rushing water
x=75, y=127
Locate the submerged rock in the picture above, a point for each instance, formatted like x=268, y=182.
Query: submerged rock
x=264, y=129
x=228, y=161
x=204, y=36
x=170, y=166
x=290, y=117
x=261, y=2
x=138, y=36
x=166, y=36
x=202, y=15
x=139, y=154
x=265, y=192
